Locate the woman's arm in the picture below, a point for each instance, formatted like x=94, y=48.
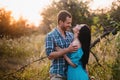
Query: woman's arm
x=66, y=57
x=69, y=61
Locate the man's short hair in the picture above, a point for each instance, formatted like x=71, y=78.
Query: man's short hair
x=63, y=14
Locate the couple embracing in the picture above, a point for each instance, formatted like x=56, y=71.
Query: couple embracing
x=68, y=52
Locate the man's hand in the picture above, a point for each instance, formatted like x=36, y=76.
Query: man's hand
x=58, y=48
x=72, y=48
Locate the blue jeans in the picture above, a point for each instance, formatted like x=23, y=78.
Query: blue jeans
x=56, y=77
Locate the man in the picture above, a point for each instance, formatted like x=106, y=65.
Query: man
x=62, y=38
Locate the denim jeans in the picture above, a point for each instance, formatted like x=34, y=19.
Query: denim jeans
x=56, y=77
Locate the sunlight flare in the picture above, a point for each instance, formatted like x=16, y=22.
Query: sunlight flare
x=31, y=9
x=28, y=9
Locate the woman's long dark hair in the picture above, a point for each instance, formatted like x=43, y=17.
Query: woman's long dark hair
x=85, y=39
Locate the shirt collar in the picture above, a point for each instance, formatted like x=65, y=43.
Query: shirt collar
x=59, y=32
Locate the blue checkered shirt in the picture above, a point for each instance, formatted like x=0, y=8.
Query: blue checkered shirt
x=58, y=66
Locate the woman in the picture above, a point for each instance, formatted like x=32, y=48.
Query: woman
x=77, y=60
x=82, y=38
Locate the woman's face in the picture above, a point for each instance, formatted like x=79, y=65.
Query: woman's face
x=76, y=29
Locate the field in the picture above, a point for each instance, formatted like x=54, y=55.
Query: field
x=20, y=59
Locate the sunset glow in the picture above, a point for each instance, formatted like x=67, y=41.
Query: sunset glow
x=31, y=9
x=28, y=9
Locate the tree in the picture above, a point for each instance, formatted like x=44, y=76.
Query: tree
x=4, y=22
x=78, y=9
x=110, y=19
x=13, y=29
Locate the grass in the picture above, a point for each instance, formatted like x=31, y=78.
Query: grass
x=107, y=52
x=15, y=53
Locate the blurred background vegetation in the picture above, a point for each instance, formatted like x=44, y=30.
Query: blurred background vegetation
x=21, y=44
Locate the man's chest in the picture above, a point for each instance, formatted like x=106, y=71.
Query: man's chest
x=62, y=42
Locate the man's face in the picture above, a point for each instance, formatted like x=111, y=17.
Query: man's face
x=66, y=24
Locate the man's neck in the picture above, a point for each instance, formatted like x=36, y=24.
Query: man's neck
x=62, y=32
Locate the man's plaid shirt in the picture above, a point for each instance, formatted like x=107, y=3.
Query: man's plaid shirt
x=58, y=66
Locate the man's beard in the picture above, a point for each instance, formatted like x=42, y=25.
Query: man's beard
x=65, y=29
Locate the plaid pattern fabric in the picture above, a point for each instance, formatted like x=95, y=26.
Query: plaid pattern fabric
x=54, y=38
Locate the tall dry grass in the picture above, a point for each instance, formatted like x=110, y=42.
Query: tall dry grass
x=15, y=53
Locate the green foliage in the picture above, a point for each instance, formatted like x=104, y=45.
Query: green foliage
x=17, y=52
x=115, y=11
x=107, y=53
x=78, y=9
x=116, y=64
x=116, y=25
x=35, y=72
x=100, y=72
x=110, y=19
x=96, y=20
x=32, y=47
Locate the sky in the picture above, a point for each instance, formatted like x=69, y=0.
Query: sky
x=28, y=9
x=31, y=9
x=101, y=4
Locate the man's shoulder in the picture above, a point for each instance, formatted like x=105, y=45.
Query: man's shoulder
x=51, y=33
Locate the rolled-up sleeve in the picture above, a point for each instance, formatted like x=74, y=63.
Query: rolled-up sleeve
x=49, y=44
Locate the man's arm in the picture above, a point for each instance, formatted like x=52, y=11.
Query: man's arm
x=59, y=50
x=59, y=53
x=50, y=48
x=52, y=53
